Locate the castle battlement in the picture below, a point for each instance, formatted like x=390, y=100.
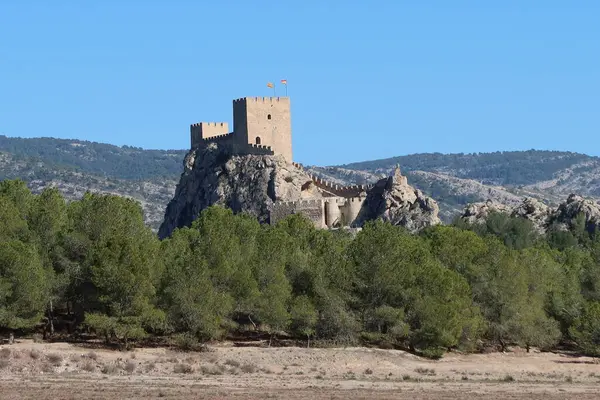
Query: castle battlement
x=218, y=138
x=299, y=203
x=260, y=124
x=260, y=146
x=211, y=124
x=262, y=99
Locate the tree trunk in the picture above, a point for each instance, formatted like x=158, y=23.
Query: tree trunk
x=253, y=324
x=51, y=319
x=308, y=341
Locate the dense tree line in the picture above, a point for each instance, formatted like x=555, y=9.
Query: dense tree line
x=451, y=287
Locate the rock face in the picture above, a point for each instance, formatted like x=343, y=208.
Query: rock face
x=539, y=213
x=394, y=200
x=576, y=205
x=534, y=210
x=249, y=183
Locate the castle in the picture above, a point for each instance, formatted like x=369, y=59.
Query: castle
x=262, y=126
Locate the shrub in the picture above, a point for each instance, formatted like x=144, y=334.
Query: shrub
x=88, y=366
x=34, y=354
x=212, y=369
x=91, y=355
x=186, y=342
x=433, y=353
x=249, y=368
x=4, y=363
x=55, y=359
x=5, y=353
x=150, y=366
x=47, y=368
x=110, y=369
x=183, y=368
x=425, y=371
x=130, y=367
x=233, y=363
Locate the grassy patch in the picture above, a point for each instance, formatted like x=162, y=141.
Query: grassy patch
x=212, y=369
x=425, y=371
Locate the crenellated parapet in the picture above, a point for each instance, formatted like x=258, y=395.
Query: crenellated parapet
x=255, y=149
x=218, y=138
x=267, y=99
x=333, y=188
x=338, y=190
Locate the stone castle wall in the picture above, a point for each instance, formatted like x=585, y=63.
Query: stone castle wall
x=205, y=130
x=313, y=209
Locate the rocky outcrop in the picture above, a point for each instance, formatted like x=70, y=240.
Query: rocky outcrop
x=248, y=183
x=529, y=208
x=541, y=215
x=394, y=200
x=576, y=205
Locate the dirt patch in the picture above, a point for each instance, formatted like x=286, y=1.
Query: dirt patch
x=49, y=371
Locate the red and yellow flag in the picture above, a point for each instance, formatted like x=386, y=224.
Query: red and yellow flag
x=270, y=85
x=284, y=81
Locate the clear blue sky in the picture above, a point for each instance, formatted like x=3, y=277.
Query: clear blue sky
x=367, y=79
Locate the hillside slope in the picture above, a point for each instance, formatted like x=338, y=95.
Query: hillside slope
x=150, y=176
x=455, y=180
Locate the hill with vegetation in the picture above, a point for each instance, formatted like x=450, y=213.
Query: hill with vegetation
x=457, y=179
x=150, y=176
x=77, y=166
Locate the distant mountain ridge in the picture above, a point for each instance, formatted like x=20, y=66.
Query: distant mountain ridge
x=150, y=176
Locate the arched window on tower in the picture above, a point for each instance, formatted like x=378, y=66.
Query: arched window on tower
x=257, y=140
x=269, y=116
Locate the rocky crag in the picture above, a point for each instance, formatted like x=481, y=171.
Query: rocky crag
x=541, y=215
x=248, y=183
x=394, y=200
x=253, y=183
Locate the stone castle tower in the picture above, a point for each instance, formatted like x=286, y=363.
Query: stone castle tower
x=261, y=125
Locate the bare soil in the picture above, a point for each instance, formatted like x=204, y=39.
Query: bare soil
x=43, y=371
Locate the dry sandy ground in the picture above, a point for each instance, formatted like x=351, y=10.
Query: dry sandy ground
x=63, y=371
